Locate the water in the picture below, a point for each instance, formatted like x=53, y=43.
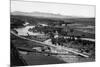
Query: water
x=32, y=59
x=25, y=31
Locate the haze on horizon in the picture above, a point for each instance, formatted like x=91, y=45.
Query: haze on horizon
x=55, y=8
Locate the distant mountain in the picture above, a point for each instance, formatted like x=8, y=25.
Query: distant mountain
x=57, y=17
x=43, y=15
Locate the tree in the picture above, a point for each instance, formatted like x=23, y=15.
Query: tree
x=16, y=23
x=71, y=31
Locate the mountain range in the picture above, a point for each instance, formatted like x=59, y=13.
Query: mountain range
x=43, y=15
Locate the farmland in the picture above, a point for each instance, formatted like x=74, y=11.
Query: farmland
x=69, y=32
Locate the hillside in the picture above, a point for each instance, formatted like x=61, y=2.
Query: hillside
x=49, y=17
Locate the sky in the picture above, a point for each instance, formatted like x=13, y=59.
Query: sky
x=55, y=8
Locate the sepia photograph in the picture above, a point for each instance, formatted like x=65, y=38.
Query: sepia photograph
x=43, y=33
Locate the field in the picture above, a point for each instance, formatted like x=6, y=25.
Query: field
x=74, y=27
x=84, y=27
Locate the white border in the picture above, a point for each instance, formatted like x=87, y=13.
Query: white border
x=5, y=35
